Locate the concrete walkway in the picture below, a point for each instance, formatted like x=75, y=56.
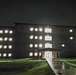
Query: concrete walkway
x=60, y=67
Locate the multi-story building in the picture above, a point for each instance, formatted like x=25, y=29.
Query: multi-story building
x=35, y=40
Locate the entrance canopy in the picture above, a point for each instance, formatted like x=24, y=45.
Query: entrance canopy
x=48, y=49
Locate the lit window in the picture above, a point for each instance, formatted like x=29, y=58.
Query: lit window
x=40, y=29
x=48, y=38
x=31, y=29
x=70, y=30
x=1, y=39
x=36, y=29
x=30, y=54
x=40, y=45
x=35, y=54
x=48, y=45
x=10, y=31
x=40, y=54
x=5, y=46
x=6, y=31
x=5, y=39
x=10, y=46
x=36, y=37
x=10, y=39
x=4, y=55
x=63, y=45
x=71, y=38
x=0, y=54
x=31, y=37
x=0, y=46
x=9, y=55
x=48, y=30
x=1, y=31
x=36, y=45
x=40, y=37
x=31, y=45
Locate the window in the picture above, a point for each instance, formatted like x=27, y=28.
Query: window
x=70, y=30
x=40, y=54
x=36, y=29
x=5, y=39
x=40, y=37
x=10, y=46
x=40, y=29
x=48, y=30
x=10, y=31
x=63, y=45
x=1, y=31
x=31, y=37
x=48, y=45
x=0, y=54
x=71, y=38
x=36, y=45
x=0, y=46
x=10, y=39
x=9, y=55
x=31, y=45
x=35, y=54
x=48, y=38
x=5, y=46
x=4, y=54
x=40, y=45
x=36, y=37
x=1, y=39
x=6, y=31
x=31, y=29
x=30, y=54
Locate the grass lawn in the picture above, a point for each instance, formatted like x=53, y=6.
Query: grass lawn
x=71, y=62
x=25, y=67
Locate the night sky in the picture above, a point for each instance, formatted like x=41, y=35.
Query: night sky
x=37, y=12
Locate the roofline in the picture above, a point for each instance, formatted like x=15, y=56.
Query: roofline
x=44, y=24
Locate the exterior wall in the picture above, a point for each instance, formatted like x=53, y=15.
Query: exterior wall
x=60, y=36
x=21, y=41
x=6, y=41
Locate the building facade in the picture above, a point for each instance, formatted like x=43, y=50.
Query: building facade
x=35, y=40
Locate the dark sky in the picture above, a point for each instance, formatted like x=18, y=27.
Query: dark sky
x=37, y=11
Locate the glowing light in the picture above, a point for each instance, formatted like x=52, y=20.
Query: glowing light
x=31, y=37
x=1, y=31
x=30, y=54
x=6, y=31
x=40, y=29
x=1, y=39
x=5, y=46
x=48, y=30
x=48, y=45
x=40, y=54
x=71, y=38
x=0, y=54
x=36, y=29
x=63, y=45
x=36, y=45
x=40, y=45
x=0, y=46
x=9, y=55
x=31, y=45
x=31, y=29
x=70, y=30
x=10, y=46
x=48, y=38
x=40, y=37
x=5, y=39
x=4, y=55
x=36, y=37
x=10, y=31
x=35, y=54
x=10, y=39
